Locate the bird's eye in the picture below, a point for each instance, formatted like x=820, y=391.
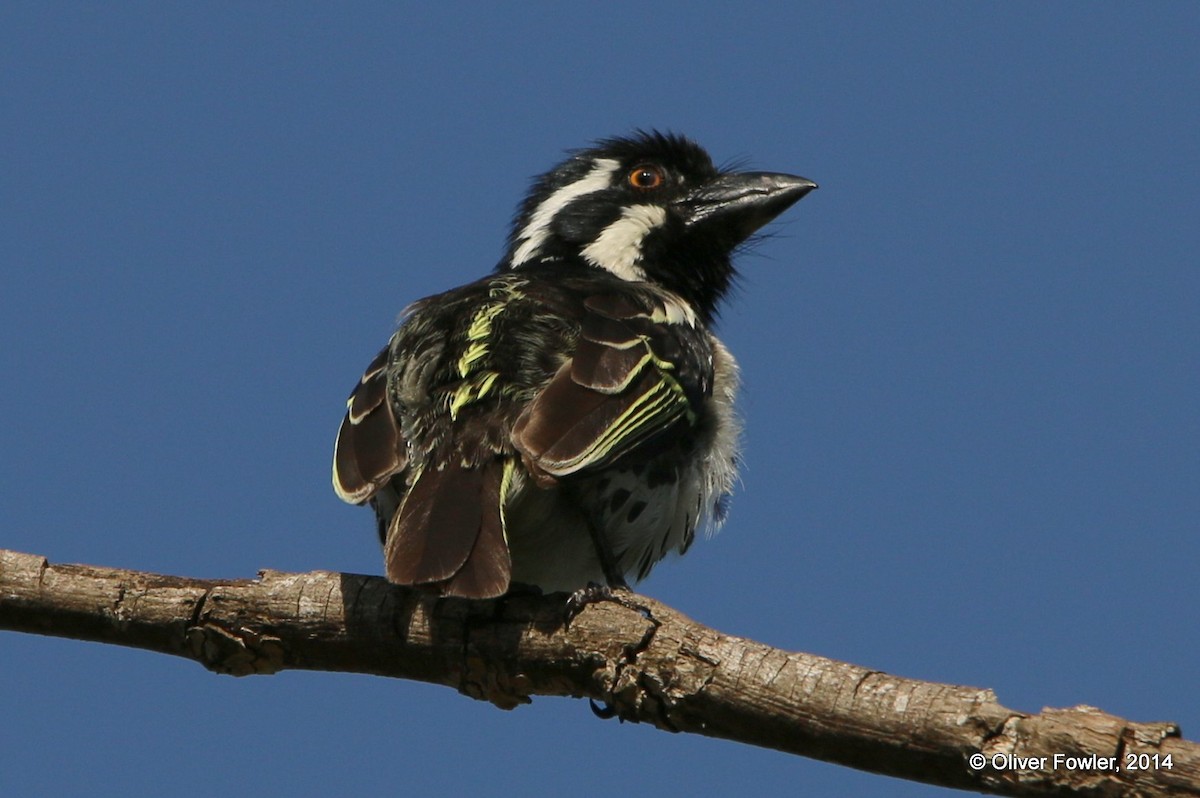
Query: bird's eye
x=646, y=177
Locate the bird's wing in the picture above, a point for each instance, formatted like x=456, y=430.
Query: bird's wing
x=638, y=370
x=369, y=449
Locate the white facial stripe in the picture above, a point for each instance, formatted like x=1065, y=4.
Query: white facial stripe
x=618, y=248
x=534, y=233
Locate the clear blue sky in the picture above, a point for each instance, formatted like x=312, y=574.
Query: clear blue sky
x=972, y=359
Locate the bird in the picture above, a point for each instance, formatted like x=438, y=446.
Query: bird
x=568, y=420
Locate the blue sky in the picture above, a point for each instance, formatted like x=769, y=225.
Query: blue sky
x=970, y=359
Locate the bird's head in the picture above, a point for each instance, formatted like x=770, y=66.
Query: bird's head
x=650, y=207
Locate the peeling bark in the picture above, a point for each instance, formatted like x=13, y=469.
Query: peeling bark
x=652, y=666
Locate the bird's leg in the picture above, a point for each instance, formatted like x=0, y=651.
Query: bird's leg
x=616, y=590
x=608, y=560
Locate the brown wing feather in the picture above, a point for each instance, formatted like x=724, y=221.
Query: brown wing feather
x=612, y=395
x=605, y=368
x=369, y=448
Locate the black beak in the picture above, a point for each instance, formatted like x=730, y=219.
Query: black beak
x=742, y=202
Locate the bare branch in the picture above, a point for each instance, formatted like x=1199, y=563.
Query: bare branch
x=653, y=666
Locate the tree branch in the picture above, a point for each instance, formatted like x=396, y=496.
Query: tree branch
x=655, y=667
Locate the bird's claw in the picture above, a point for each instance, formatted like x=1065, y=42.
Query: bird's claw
x=595, y=593
x=603, y=711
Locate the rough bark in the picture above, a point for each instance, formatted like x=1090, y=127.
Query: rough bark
x=649, y=666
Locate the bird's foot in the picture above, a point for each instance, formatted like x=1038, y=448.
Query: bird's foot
x=595, y=593
x=618, y=594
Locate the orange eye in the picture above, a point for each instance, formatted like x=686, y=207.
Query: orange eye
x=646, y=176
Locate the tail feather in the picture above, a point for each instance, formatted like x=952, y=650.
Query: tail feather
x=449, y=533
x=487, y=571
